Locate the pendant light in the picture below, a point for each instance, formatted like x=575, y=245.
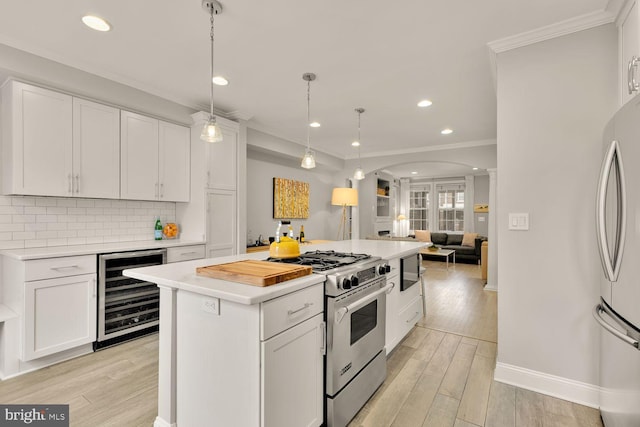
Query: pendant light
x=359, y=173
x=211, y=132
x=308, y=161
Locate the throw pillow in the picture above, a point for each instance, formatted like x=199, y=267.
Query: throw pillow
x=423, y=235
x=469, y=239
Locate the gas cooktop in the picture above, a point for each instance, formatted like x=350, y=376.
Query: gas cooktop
x=324, y=260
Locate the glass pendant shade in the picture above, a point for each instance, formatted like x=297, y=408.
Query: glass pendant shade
x=358, y=174
x=211, y=132
x=308, y=161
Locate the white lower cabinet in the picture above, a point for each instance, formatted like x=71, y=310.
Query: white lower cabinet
x=250, y=365
x=404, y=308
x=292, y=376
x=59, y=314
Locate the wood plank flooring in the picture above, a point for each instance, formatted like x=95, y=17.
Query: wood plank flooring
x=439, y=375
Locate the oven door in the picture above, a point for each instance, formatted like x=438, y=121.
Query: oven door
x=355, y=332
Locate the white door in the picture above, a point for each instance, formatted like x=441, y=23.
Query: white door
x=59, y=314
x=42, y=141
x=222, y=161
x=139, y=157
x=96, y=150
x=174, y=162
x=293, y=376
x=221, y=223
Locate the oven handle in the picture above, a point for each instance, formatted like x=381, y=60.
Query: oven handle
x=342, y=311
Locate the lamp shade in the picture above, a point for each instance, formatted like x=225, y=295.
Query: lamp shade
x=401, y=217
x=344, y=197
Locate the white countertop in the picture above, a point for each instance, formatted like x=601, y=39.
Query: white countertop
x=72, y=250
x=182, y=275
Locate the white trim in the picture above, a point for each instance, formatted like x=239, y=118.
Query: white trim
x=552, y=385
x=562, y=28
x=160, y=422
x=454, y=146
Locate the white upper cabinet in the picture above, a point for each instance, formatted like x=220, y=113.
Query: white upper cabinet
x=37, y=138
x=222, y=159
x=174, y=162
x=96, y=150
x=154, y=159
x=629, y=40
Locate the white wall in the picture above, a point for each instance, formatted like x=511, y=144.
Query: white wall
x=481, y=195
x=323, y=218
x=554, y=99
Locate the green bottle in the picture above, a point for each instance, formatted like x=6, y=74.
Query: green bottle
x=158, y=230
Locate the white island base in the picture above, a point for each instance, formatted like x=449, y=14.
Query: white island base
x=241, y=355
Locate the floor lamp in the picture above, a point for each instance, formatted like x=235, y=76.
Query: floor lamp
x=344, y=197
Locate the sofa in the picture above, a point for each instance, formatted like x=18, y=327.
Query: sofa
x=464, y=253
x=444, y=240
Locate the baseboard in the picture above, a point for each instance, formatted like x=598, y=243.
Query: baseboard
x=562, y=388
x=160, y=422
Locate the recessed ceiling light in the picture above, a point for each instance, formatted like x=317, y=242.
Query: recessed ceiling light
x=314, y=124
x=424, y=103
x=475, y=169
x=96, y=23
x=220, y=81
x=355, y=143
x=446, y=131
x=414, y=173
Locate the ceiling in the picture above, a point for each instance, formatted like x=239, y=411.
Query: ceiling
x=382, y=56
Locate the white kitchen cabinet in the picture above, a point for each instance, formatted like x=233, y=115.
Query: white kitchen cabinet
x=154, y=158
x=96, y=150
x=629, y=47
x=292, y=376
x=404, y=308
x=58, y=145
x=221, y=223
x=230, y=372
x=36, y=140
x=59, y=314
x=222, y=159
x=55, y=300
x=185, y=253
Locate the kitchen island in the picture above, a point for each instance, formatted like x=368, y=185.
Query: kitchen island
x=236, y=354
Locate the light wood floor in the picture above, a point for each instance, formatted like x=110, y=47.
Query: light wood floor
x=439, y=375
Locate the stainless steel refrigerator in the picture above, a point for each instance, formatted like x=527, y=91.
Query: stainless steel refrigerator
x=618, y=235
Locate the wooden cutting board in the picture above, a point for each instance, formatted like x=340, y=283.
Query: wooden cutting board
x=257, y=273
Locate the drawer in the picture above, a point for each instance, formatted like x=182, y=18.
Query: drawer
x=50, y=268
x=408, y=316
x=282, y=313
x=185, y=253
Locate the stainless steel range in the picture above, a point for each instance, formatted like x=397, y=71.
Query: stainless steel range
x=355, y=305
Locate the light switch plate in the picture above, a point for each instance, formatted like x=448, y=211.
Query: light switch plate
x=519, y=221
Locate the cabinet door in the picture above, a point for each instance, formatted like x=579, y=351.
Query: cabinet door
x=222, y=161
x=175, y=160
x=630, y=46
x=96, y=150
x=59, y=314
x=138, y=157
x=41, y=143
x=221, y=223
x=292, y=376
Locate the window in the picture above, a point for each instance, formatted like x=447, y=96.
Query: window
x=451, y=208
x=419, y=208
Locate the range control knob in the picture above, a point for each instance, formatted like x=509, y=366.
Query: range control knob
x=387, y=268
x=354, y=281
x=381, y=269
x=346, y=283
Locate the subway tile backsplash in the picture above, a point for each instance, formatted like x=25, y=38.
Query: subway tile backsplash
x=29, y=222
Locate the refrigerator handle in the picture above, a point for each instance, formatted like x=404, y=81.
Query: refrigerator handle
x=597, y=314
x=611, y=268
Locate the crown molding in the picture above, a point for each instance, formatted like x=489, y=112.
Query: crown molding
x=562, y=28
x=454, y=146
